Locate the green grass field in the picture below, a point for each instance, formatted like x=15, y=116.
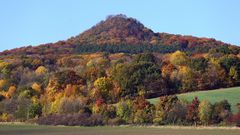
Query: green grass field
x=51, y=130
x=230, y=94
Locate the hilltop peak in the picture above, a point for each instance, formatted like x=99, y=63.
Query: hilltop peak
x=117, y=29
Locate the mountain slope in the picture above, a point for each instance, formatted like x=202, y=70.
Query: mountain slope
x=121, y=30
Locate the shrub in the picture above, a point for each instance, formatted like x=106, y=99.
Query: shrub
x=95, y=120
x=116, y=122
x=35, y=110
x=9, y=106
x=23, y=105
x=235, y=119
x=5, y=117
x=221, y=111
x=71, y=120
x=109, y=112
x=70, y=105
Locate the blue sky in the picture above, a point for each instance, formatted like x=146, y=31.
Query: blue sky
x=33, y=22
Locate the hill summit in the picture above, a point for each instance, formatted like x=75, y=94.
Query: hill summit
x=120, y=30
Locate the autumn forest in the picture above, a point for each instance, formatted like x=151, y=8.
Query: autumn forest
x=105, y=76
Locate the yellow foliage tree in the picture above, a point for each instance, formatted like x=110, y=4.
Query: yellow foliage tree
x=36, y=87
x=205, y=110
x=41, y=70
x=2, y=83
x=233, y=73
x=55, y=105
x=167, y=69
x=51, y=89
x=104, y=86
x=4, y=93
x=4, y=117
x=186, y=76
x=11, y=91
x=34, y=100
x=179, y=58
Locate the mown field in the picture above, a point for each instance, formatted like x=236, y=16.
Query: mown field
x=51, y=130
x=230, y=94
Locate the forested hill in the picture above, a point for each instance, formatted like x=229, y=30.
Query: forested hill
x=122, y=34
x=104, y=76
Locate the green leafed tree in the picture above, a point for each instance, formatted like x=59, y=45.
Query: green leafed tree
x=35, y=110
x=134, y=77
x=125, y=111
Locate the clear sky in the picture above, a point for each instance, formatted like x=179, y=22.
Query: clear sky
x=32, y=22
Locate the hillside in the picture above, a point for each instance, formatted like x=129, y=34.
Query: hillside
x=120, y=30
x=230, y=94
x=119, y=34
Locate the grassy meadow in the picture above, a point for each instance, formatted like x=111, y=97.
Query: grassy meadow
x=230, y=94
x=8, y=129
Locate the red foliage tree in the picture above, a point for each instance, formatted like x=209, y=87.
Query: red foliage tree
x=192, y=111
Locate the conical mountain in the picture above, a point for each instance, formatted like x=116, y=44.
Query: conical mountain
x=116, y=30
x=122, y=30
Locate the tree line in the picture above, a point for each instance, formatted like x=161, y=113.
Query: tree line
x=158, y=48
